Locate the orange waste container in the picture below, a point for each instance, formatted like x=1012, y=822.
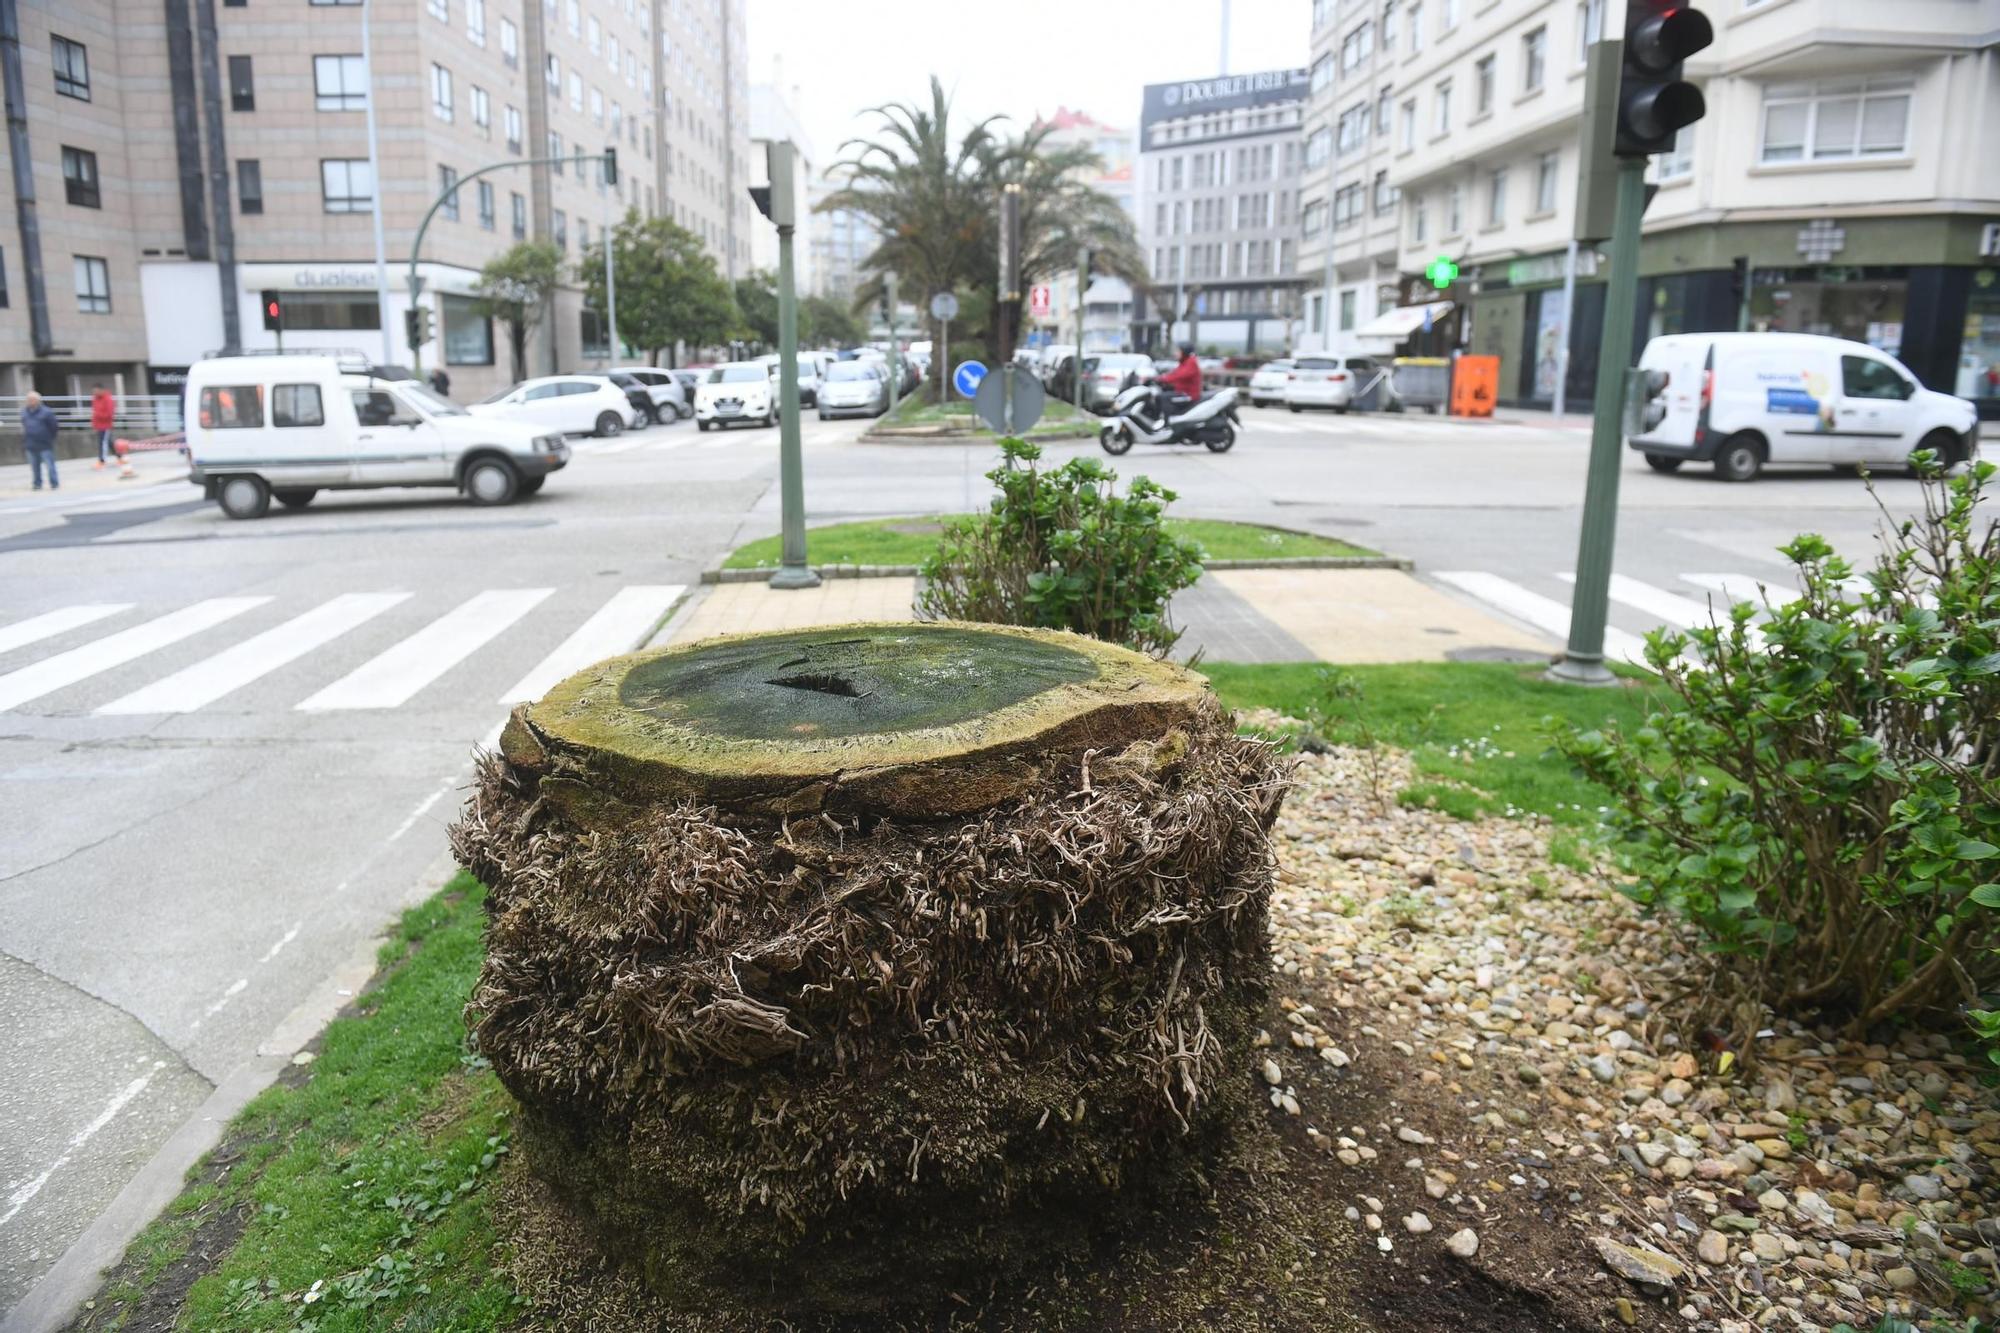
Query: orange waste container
x=1475, y=383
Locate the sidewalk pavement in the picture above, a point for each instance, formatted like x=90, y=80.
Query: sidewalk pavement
x=1237, y=615
x=80, y=479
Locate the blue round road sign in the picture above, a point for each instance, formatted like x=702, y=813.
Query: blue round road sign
x=967, y=377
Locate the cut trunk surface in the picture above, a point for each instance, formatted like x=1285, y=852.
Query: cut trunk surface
x=846, y=969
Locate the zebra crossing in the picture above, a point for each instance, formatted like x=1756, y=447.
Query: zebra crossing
x=1656, y=607
x=1398, y=427
x=319, y=636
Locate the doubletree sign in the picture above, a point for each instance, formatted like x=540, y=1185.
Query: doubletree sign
x=1442, y=272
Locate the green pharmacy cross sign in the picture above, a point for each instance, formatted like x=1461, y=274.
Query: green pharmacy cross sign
x=1442, y=272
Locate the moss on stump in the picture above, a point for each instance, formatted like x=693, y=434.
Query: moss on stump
x=844, y=970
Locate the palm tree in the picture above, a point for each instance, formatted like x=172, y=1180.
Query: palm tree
x=933, y=197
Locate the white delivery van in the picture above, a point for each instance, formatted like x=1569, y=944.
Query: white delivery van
x=289, y=427
x=1746, y=400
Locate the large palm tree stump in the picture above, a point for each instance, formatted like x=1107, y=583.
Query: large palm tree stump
x=848, y=968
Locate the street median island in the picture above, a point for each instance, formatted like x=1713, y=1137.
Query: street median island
x=860, y=970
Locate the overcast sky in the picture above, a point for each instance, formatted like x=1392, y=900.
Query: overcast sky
x=1022, y=57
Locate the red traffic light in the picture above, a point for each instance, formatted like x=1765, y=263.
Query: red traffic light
x=272, y=310
x=1660, y=41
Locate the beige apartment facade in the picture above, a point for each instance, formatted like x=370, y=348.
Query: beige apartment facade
x=231, y=159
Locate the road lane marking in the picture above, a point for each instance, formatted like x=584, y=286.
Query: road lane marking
x=115, y=650
x=20, y=1198
x=617, y=627
x=423, y=808
x=1544, y=613
x=49, y=624
x=1743, y=588
x=391, y=679
x=1672, y=609
x=234, y=667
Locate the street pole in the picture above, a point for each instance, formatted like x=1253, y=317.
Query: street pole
x=610, y=269
x=895, y=357
x=1562, y=335
x=792, y=571
x=1582, y=662
x=375, y=188
x=1082, y=281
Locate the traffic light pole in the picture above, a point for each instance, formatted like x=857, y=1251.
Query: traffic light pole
x=1582, y=662
x=781, y=207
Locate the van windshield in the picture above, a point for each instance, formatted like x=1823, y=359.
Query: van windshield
x=435, y=404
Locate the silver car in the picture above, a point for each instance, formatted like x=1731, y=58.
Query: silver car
x=1112, y=373
x=854, y=388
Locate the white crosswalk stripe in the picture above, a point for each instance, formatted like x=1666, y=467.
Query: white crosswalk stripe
x=390, y=679
x=617, y=627
x=115, y=650
x=1744, y=588
x=1670, y=608
x=234, y=667
x=1544, y=613
x=49, y=624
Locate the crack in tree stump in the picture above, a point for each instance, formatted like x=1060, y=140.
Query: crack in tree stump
x=843, y=970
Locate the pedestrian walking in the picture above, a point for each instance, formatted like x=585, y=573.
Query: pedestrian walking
x=103, y=410
x=38, y=437
x=441, y=382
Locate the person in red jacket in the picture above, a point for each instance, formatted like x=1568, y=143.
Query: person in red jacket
x=103, y=409
x=1184, y=378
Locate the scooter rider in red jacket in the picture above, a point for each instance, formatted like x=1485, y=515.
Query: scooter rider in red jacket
x=1184, y=378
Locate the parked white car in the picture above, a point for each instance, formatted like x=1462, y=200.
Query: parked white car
x=669, y=398
x=571, y=404
x=1743, y=401
x=736, y=391
x=288, y=427
x=1327, y=381
x=859, y=388
x=1267, y=386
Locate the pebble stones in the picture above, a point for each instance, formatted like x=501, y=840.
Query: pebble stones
x=1464, y=1243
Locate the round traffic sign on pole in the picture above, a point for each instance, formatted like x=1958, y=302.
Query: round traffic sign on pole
x=944, y=306
x=967, y=377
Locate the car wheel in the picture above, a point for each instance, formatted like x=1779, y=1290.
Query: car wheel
x=1340, y=409
x=529, y=485
x=1661, y=463
x=1294, y=406
x=1223, y=443
x=703, y=425
x=294, y=499
x=609, y=424
x=770, y=419
x=244, y=497
x=491, y=481
x=1740, y=458
x=822, y=414
x=1115, y=439
x=1942, y=443
x=683, y=410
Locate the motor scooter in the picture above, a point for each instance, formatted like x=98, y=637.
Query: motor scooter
x=1139, y=416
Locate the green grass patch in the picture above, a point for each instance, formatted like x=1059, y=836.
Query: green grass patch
x=1477, y=731
x=909, y=541
x=357, y=1189
x=1059, y=419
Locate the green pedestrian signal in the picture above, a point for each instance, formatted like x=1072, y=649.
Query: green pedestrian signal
x=1442, y=272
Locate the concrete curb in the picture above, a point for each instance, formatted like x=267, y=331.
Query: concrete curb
x=78, y=1276
x=716, y=574
x=947, y=436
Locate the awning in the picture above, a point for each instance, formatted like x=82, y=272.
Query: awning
x=1398, y=324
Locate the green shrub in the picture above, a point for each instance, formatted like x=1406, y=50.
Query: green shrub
x=1820, y=794
x=1064, y=550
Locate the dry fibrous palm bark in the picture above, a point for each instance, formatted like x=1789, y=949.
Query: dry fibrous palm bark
x=848, y=968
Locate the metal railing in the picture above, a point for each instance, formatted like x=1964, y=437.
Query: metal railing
x=138, y=414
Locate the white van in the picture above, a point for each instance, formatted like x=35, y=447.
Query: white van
x=290, y=427
x=1745, y=400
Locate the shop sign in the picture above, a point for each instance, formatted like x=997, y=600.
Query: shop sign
x=1821, y=239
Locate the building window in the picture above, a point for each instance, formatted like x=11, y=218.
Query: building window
x=1420, y=221
x=486, y=205
x=297, y=405
x=242, y=85
x=441, y=99
x=1837, y=119
x=345, y=185
x=592, y=335
x=1454, y=210
x=1416, y=26
x=1356, y=47
x=448, y=187
x=552, y=73
x=573, y=14
x=1447, y=15
x=1482, y=84
x=575, y=91
x=1589, y=27
x=1319, y=146
x=468, y=335
x=250, y=185
x=1496, y=198
x=1677, y=161
x=511, y=119
x=1409, y=134
x=1443, y=103
x=520, y=215
x=1347, y=311
x=72, y=63
x=1312, y=218
x=1385, y=195
x=559, y=229
x=555, y=153
x=79, y=167
x=597, y=106
x=1316, y=316
x=482, y=108
x=475, y=21
x=1353, y=127
x=1548, y=172
x=1322, y=74
x=440, y=10
x=596, y=38
x=510, y=43
x=1388, y=25
x=340, y=83
x=1534, y=59
x=93, y=285
x=582, y=237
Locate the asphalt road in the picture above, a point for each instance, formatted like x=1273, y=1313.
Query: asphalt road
x=230, y=750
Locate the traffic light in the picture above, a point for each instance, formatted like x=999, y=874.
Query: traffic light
x=1644, y=408
x=417, y=325
x=1654, y=102
x=274, y=312
x=610, y=166
x=1442, y=271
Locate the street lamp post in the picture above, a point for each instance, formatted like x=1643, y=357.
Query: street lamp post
x=375, y=189
x=780, y=206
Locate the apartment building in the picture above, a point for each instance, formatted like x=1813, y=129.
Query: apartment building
x=186, y=157
x=1220, y=164
x=1348, y=207
x=1107, y=303
x=1841, y=182
x=841, y=241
